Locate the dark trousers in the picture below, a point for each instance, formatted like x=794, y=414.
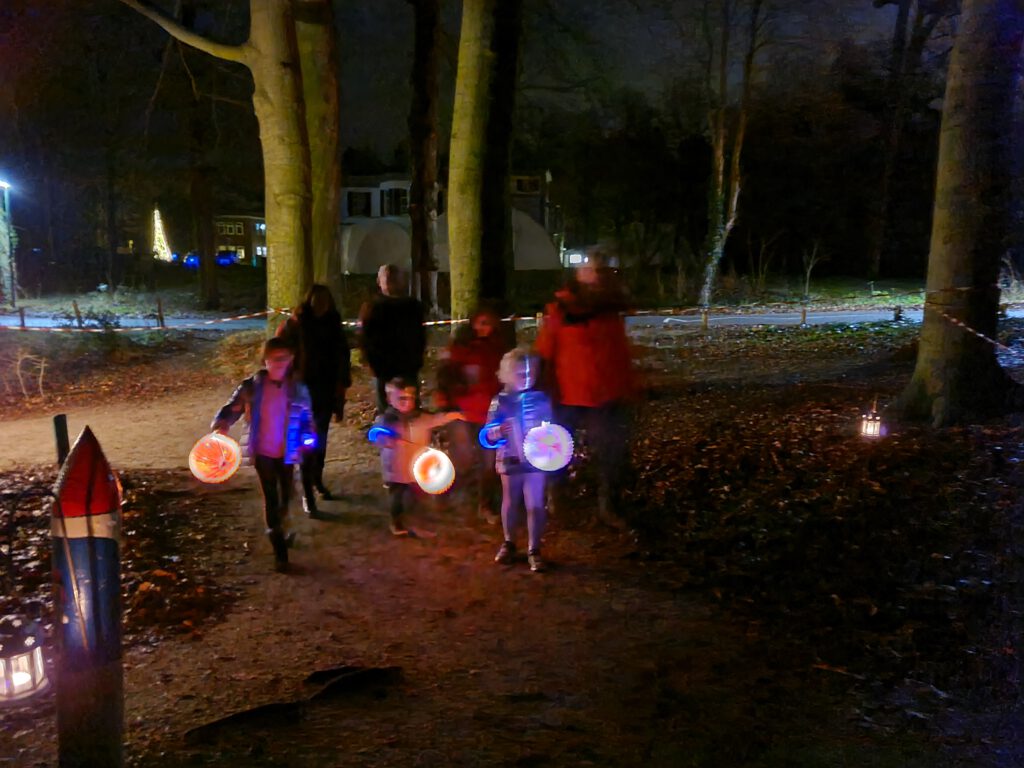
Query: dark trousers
x=313, y=461
x=402, y=498
x=607, y=429
x=276, y=485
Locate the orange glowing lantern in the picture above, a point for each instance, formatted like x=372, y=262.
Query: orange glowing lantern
x=548, y=447
x=871, y=423
x=214, y=458
x=434, y=471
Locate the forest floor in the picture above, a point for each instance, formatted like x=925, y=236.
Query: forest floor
x=790, y=594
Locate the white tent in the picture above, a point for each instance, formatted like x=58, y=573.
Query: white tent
x=367, y=243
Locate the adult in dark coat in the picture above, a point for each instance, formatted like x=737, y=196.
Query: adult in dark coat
x=393, y=338
x=322, y=362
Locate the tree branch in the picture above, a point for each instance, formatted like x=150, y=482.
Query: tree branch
x=236, y=53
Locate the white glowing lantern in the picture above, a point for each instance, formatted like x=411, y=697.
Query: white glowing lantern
x=871, y=423
x=548, y=447
x=433, y=471
x=22, y=671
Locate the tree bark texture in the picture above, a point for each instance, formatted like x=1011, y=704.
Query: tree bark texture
x=726, y=144
x=278, y=102
x=957, y=374
x=272, y=56
x=468, y=152
x=318, y=54
x=423, y=145
x=496, y=245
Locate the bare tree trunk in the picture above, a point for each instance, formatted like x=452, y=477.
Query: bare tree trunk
x=496, y=246
x=957, y=373
x=724, y=190
x=423, y=144
x=318, y=53
x=271, y=54
x=468, y=153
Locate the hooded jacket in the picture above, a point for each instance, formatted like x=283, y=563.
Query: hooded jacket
x=246, y=401
x=583, y=343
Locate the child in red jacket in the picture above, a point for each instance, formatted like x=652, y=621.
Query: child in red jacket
x=468, y=381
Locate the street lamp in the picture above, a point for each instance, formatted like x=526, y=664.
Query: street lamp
x=6, y=187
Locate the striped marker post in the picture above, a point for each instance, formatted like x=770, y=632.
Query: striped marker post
x=87, y=601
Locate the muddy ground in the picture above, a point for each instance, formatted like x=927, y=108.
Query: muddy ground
x=730, y=627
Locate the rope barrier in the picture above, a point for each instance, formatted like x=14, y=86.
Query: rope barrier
x=662, y=312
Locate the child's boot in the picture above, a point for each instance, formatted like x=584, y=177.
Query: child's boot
x=280, y=547
x=536, y=563
x=506, y=553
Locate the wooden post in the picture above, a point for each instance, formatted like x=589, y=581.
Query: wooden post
x=704, y=319
x=21, y=315
x=160, y=312
x=89, y=681
x=540, y=320
x=803, y=316
x=78, y=313
x=60, y=432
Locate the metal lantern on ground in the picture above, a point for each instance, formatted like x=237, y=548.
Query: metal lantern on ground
x=22, y=670
x=433, y=471
x=215, y=458
x=871, y=423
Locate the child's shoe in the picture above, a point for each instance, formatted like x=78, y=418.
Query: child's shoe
x=506, y=552
x=487, y=515
x=536, y=563
x=397, y=527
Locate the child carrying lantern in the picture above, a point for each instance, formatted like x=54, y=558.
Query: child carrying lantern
x=513, y=413
x=277, y=408
x=403, y=432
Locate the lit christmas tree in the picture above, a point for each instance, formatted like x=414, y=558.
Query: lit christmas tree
x=161, y=250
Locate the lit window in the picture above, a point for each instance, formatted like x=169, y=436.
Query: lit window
x=238, y=229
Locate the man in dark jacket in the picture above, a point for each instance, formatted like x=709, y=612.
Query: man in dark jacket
x=393, y=338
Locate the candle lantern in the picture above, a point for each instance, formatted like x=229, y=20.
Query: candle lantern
x=22, y=671
x=871, y=423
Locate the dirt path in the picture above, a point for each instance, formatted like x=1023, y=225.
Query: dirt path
x=608, y=660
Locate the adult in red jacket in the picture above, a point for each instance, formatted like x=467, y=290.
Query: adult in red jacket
x=588, y=370
x=468, y=380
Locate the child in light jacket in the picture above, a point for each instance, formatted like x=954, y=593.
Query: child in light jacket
x=513, y=413
x=277, y=408
x=408, y=433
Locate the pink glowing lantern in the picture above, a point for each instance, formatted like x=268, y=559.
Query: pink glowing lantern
x=433, y=471
x=214, y=458
x=548, y=447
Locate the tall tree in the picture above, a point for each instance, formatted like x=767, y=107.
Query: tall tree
x=957, y=373
x=318, y=55
x=423, y=146
x=481, y=132
x=910, y=36
x=727, y=124
x=271, y=54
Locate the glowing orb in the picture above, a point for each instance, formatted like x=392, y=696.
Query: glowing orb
x=434, y=471
x=548, y=447
x=214, y=458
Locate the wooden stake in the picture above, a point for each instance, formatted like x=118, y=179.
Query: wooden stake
x=78, y=313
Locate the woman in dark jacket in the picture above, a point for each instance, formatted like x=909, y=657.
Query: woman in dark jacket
x=322, y=361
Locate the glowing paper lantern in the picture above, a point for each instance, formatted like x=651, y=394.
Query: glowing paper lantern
x=548, y=447
x=434, y=471
x=214, y=458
